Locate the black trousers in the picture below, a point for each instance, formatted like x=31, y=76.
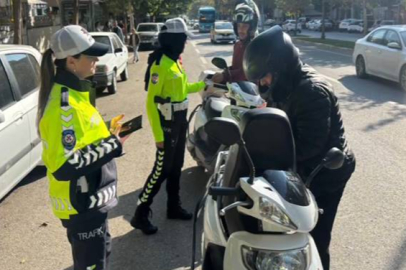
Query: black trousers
x=329, y=201
x=91, y=244
x=168, y=162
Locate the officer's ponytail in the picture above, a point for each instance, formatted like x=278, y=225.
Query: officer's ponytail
x=47, y=81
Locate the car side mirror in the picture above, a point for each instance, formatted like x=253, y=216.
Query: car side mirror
x=334, y=159
x=118, y=50
x=223, y=130
x=394, y=45
x=219, y=62
x=2, y=117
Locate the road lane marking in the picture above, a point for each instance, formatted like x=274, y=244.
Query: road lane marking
x=203, y=60
x=197, y=50
x=193, y=44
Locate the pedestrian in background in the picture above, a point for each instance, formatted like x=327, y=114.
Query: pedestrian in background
x=78, y=148
x=106, y=27
x=117, y=29
x=135, y=38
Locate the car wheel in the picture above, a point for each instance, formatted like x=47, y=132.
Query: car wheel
x=113, y=87
x=212, y=41
x=402, y=79
x=360, y=67
x=124, y=74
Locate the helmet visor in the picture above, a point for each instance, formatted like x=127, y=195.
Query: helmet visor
x=243, y=16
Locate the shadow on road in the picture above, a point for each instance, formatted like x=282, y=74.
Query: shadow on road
x=398, y=261
x=326, y=60
x=38, y=173
x=171, y=247
x=364, y=97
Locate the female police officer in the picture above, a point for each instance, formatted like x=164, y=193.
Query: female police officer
x=167, y=105
x=78, y=149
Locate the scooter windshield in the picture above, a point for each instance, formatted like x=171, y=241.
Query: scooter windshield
x=289, y=186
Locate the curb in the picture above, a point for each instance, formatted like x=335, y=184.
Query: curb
x=324, y=45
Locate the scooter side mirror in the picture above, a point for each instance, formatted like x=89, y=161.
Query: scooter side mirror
x=223, y=130
x=2, y=117
x=219, y=62
x=334, y=159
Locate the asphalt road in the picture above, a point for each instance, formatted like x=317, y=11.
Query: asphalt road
x=370, y=231
x=333, y=35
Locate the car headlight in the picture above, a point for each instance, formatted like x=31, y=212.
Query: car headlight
x=270, y=211
x=102, y=69
x=257, y=259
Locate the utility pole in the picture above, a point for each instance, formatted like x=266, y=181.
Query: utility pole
x=18, y=22
x=75, y=11
x=365, y=17
x=262, y=14
x=323, y=29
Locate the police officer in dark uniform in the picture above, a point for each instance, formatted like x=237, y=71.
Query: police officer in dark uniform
x=167, y=105
x=308, y=99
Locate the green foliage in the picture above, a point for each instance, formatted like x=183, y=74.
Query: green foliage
x=292, y=6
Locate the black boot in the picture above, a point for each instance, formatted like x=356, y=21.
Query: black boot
x=175, y=211
x=141, y=221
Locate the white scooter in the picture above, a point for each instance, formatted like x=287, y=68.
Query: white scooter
x=218, y=100
x=258, y=213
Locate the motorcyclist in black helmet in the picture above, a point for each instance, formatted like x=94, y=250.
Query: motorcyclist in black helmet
x=272, y=60
x=245, y=22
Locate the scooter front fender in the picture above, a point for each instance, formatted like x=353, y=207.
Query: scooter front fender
x=233, y=259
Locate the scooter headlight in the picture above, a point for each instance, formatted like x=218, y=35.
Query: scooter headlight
x=270, y=211
x=257, y=259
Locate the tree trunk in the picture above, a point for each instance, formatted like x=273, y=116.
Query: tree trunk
x=75, y=11
x=296, y=22
x=18, y=22
x=323, y=28
x=365, y=18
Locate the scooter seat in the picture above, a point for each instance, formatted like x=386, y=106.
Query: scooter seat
x=214, y=106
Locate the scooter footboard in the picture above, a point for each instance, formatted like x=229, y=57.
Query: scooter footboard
x=245, y=250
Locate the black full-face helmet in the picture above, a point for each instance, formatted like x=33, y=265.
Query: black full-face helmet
x=246, y=12
x=270, y=52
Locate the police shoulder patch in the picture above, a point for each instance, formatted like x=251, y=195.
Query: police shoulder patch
x=68, y=139
x=155, y=78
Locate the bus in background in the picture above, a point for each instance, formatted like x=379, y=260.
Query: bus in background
x=207, y=17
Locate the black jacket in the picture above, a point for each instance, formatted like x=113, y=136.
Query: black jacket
x=314, y=113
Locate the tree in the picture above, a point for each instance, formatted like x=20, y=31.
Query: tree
x=75, y=11
x=18, y=22
x=194, y=7
x=293, y=7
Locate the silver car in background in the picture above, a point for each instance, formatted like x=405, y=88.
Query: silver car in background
x=382, y=53
x=148, y=33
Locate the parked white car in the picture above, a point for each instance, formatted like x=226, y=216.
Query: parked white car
x=356, y=27
x=148, y=33
x=344, y=24
x=290, y=26
x=19, y=141
x=380, y=23
x=112, y=64
x=311, y=24
x=328, y=25
x=382, y=53
x=222, y=32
